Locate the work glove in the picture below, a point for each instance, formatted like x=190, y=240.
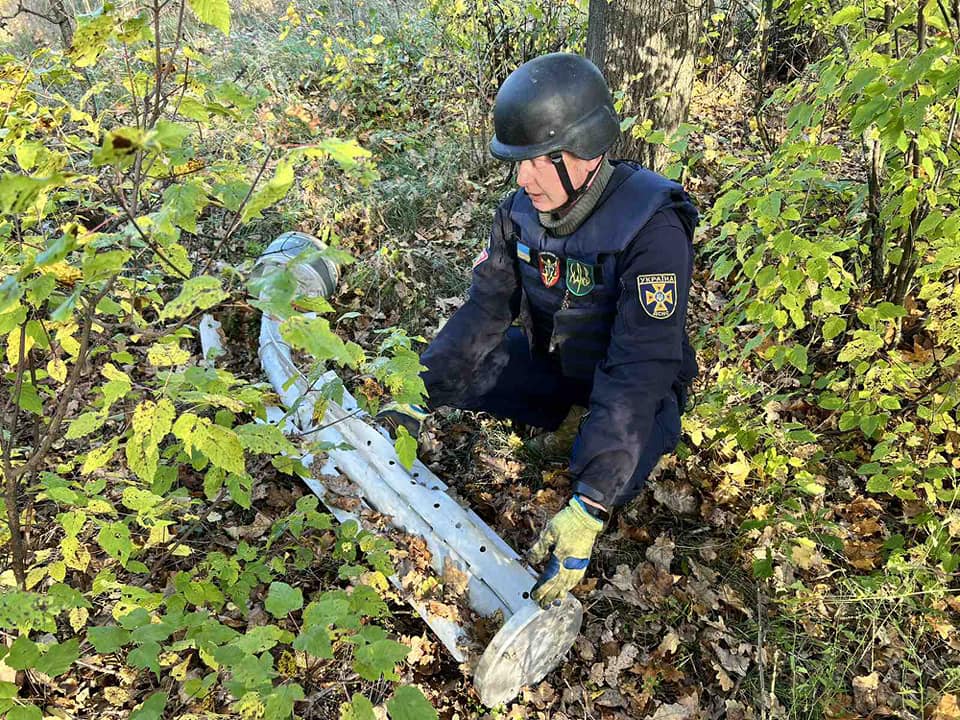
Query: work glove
x=409, y=416
x=568, y=539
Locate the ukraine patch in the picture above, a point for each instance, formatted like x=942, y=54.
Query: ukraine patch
x=579, y=277
x=658, y=294
x=523, y=252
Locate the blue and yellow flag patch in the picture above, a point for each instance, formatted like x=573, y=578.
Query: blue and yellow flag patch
x=658, y=294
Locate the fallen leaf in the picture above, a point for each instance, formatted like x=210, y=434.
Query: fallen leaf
x=680, y=497
x=661, y=552
x=455, y=581
x=865, y=692
x=669, y=644
x=673, y=711
x=947, y=708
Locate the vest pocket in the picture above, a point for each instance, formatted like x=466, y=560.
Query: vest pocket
x=581, y=336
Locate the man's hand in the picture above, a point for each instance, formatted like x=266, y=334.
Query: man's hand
x=568, y=539
x=409, y=416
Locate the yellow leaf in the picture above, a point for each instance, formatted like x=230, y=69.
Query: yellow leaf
x=179, y=672
x=58, y=571
x=78, y=618
x=69, y=343
x=116, y=696
x=377, y=39
x=57, y=369
x=166, y=354
x=805, y=555
x=75, y=555
x=13, y=346
x=739, y=470
x=67, y=274
x=159, y=533
x=36, y=575
x=99, y=457
x=208, y=660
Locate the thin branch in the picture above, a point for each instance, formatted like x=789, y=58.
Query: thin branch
x=143, y=236
x=236, y=218
x=66, y=396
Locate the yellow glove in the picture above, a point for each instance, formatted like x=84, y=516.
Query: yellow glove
x=410, y=416
x=568, y=539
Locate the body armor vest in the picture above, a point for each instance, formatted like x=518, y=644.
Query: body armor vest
x=571, y=284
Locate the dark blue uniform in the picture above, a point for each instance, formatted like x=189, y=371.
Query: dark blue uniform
x=601, y=314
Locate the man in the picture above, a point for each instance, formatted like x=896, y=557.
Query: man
x=594, y=259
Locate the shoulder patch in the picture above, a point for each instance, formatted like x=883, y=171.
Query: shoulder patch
x=580, y=280
x=658, y=294
x=481, y=257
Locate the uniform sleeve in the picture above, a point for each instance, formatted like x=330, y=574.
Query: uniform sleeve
x=467, y=355
x=643, y=359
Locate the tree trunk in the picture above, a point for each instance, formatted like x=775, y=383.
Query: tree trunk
x=646, y=51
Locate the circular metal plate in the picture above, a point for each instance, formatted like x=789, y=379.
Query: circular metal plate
x=528, y=646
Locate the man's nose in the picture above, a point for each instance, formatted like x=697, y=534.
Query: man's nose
x=524, y=172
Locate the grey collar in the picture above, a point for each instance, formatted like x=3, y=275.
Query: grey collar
x=567, y=223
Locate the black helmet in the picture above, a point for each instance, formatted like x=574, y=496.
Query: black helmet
x=554, y=102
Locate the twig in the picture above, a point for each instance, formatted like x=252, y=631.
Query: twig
x=238, y=214
x=153, y=246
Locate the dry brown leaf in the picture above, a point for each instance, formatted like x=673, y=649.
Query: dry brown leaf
x=947, y=708
x=676, y=495
x=342, y=501
x=443, y=610
x=669, y=644
x=863, y=555
x=661, y=552
x=620, y=663
x=455, y=581
x=261, y=523
x=865, y=692
x=673, y=711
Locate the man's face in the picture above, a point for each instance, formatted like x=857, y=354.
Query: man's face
x=542, y=183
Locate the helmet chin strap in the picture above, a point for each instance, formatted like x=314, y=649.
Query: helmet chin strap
x=573, y=194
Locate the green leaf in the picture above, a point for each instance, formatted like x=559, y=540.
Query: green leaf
x=25, y=712
x=115, y=540
x=378, y=659
x=19, y=192
x=170, y=135
x=101, y=265
x=315, y=640
x=833, y=326
x=272, y=192
x=59, y=657
x=199, y=293
x=155, y=632
x=315, y=336
x=264, y=438
x=213, y=12
x=108, y=639
x=406, y=447
x=359, y=708
x=847, y=15
x=283, y=599
x=152, y=709
x=85, y=424
x=279, y=703
x=146, y=656
x=23, y=654
x=408, y=703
